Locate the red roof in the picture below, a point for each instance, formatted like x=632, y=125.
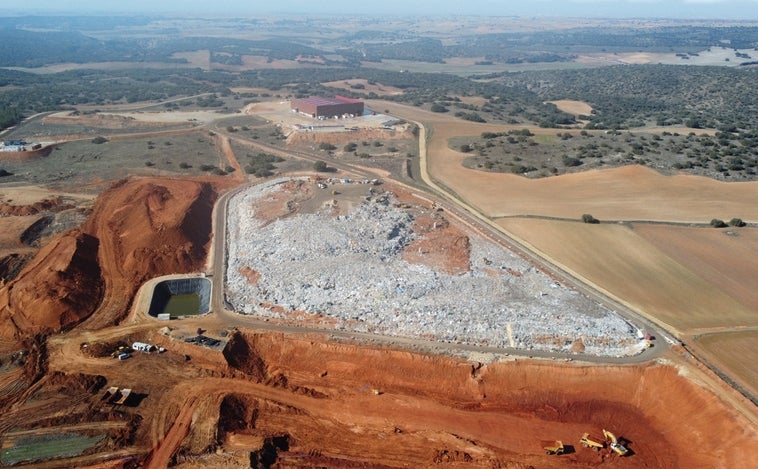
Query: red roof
x=319, y=101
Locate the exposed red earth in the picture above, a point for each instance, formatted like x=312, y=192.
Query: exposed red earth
x=307, y=400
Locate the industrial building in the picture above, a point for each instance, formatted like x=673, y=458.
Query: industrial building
x=322, y=108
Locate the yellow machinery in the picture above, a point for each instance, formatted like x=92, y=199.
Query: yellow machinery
x=553, y=447
x=590, y=442
x=614, y=444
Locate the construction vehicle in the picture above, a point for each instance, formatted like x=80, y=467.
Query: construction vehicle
x=591, y=442
x=553, y=447
x=617, y=447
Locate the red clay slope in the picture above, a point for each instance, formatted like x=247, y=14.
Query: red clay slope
x=59, y=288
x=139, y=229
x=495, y=413
x=147, y=228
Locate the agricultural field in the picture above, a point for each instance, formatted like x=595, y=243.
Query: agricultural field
x=619, y=260
x=39, y=448
x=736, y=352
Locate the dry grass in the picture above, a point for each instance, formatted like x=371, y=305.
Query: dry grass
x=576, y=108
x=736, y=352
x=618, y=260
x=626, y=193
x=725, y=258
x=378, y=88
x=198, y=58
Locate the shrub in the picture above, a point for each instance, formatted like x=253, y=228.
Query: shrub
x=716, y=223
x=185, y=165
x=98, y=140
x=587, y=218
x=736, y=222
x=436, y=107
x=319, y=166
x=326, y=146
x=149, y=163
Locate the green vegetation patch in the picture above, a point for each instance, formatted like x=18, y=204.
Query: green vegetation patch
x=40, y=448
x=726, y=156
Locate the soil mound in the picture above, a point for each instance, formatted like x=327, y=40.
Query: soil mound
x=440, y=245
x=154, y=226
x=58, y=289
x=53, y=204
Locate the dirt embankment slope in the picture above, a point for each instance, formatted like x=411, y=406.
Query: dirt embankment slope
x=58, y=289
x=139, y=229
x=149, y=227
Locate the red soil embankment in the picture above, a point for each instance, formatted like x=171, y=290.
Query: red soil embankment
x=149, y=227
x=58, y=289
x=139, y=229
x=495, y=413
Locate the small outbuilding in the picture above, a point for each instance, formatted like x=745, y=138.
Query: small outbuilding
x=143, y=347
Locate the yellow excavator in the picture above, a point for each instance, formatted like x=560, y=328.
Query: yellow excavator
x=617, y=447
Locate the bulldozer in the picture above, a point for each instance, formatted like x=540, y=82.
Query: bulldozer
x=553, y=447
x=617, y=447
x=591, y=442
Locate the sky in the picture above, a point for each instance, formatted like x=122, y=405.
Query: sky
x=685, y=9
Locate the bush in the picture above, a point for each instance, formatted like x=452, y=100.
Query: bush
x=4, y=173
x=716, y=223
x=350, y=147
x=587, y=218
x=326, y=146
x=736, y=222
x=436, y=107
x=149, y=163
x=99, y=140
x=320, y=166
x=185, y=165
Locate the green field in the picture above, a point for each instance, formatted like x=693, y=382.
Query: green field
x=40, y=448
